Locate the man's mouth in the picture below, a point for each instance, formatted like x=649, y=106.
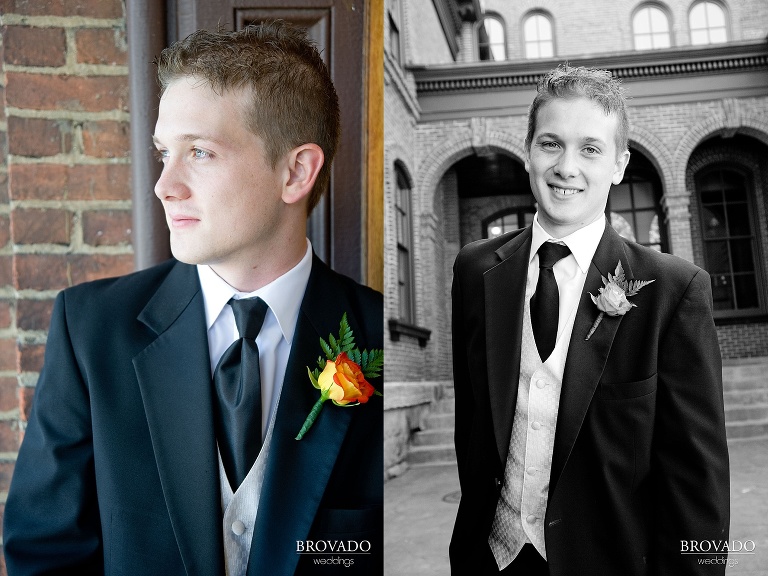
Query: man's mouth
x=565, y=191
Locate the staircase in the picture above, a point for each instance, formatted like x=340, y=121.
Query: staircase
x=745, y=385
x=433, y=444
x=745, y=392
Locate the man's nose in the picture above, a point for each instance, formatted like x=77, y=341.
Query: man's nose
x=567, y=164
x=171, y=184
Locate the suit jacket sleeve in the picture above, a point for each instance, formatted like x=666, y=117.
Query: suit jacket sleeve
x=51, y=522
x=462, y=390
x=690, y=481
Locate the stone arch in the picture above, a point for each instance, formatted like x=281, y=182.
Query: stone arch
x=655, y=150
x=443, y=157
x=732, y=120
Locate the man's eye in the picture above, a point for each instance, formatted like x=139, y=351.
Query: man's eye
x=549, y=145
x=160, y=155
x=200, y=153
x=591, y=150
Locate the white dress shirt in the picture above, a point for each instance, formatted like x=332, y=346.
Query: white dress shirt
x=283, y=296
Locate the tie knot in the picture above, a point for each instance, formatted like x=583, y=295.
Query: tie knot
x=249, y=316
x=550, y=253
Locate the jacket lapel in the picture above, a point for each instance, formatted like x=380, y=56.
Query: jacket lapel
x=298, y=471
x=586, y=358
x=504, y=301
x=174, y=377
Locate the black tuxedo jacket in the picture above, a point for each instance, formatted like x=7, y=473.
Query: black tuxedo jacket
x=640, y=459
x=118, y=470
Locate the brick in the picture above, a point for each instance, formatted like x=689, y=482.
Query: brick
x=2, y=94
x=92, y=267
x=41, y=272
x=6, y=270
x=107, y=227
x=6, y=473
x=38, y=137
x=87, y=8
x=5, y=230
x=28, y=46
x=3, y=184
x=5, y=314
x=26, y=399
x=8, y=354
x=41, y=226
x=9, y=396
x=79, y=182
x=106, y=139
x=9, y=436
x=66, y=92
x=31, y=357
x=101, y=46
x=33, y=314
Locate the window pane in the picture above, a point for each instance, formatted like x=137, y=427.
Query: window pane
x=644, y=220
x=545, y=28
x=717, y=257
x=717, y=36
x=621, y=223
x=738, y=220
x=714, y=221
x=746, y=291
x=741, y=253
x=620, y=197
x=530, y=29
x=661, y=40
x=658, y=20
x=641, y=23
x=722, y=292
x=715, y=15
x=643, y=194
x=643, y=42
x=699, y=37
x=545, y=50
x=698, y=17
x=531, y=50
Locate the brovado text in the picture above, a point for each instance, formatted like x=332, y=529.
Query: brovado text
x=333, y=546
x=716, y=546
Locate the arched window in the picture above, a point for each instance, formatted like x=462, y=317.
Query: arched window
x=650, y=27
x=507, y=221
x=634, y=206
x=730, y=246
x=491, y=38
x=404, y=245
x=538, y=37
x=707, y=23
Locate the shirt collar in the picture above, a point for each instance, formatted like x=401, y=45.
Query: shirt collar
x=582, y=243
x=283, y=295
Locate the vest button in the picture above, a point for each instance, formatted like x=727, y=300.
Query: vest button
x=530, y=519
x=238, y=528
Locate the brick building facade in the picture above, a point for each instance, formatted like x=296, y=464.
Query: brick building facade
x=65, y=210
x=455, y=121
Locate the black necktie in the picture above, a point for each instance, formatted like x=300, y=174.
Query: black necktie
x=545, y=302
x=238, y=393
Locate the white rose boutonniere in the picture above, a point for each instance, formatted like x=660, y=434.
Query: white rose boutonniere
x=612, y=299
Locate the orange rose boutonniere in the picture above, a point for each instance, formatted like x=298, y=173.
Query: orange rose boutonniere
x=344, y=375
x=612, y=299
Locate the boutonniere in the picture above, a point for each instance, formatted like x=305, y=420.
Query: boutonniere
x=612, y=299
x=342, y=376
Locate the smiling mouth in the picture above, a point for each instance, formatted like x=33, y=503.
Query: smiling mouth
x=565, y=191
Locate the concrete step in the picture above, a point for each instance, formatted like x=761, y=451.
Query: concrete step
x=437, y=420
x=443, y=406
x=746, y=413
x=745, y=374
x=421, y=455
x=433, y=437
x=745, y=397
x=746, y=429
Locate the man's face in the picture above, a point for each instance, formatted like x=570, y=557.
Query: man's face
x=221, y=196
x=572, y=163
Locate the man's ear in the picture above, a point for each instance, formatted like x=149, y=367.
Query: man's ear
x=621, y=165
x=304, y=163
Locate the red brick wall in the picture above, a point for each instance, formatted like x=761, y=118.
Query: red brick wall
x=65, y=211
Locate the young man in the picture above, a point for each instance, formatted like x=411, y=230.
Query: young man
x=590, y=432
x=138, y=459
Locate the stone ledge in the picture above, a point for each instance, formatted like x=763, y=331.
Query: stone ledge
x=408, y=394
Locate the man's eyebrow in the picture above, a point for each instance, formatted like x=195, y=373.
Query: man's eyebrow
x=192, y=138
